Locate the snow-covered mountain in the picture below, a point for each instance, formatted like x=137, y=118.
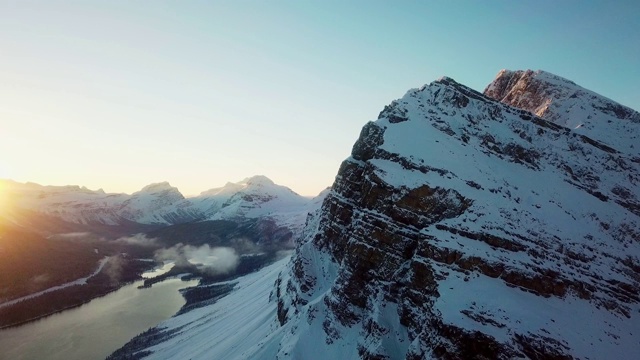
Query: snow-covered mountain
x=460, y=227
x=151, y=204
x=253, y=197
x=162, y=204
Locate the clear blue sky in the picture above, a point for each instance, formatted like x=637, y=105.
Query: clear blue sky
x=119, y=94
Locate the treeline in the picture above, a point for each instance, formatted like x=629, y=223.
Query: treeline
x=200, y=296
x=133, y=349
x=55, y=301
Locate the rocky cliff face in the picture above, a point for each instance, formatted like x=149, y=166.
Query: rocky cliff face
x=462, y=227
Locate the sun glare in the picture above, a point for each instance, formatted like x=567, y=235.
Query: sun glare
x=4, y=196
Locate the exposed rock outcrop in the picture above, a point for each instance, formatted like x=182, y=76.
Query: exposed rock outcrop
x=461, y=227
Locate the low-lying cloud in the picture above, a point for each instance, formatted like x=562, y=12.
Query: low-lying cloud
x=38, y=279
x=137, y=239
x=114, y=269
x=72, y=235
x=213, y=261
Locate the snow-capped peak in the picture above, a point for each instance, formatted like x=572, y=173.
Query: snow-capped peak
x=565, y=103
x=259, y=180
x=444, y=78
x=258, y=183
x=251, y=197
x=157, y=187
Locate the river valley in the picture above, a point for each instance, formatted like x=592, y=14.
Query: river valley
x=96, y=329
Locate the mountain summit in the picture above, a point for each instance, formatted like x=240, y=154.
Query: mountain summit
x=561, y=101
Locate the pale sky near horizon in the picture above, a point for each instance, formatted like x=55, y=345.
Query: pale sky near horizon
x=120, y=94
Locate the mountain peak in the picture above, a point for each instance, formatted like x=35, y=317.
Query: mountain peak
x=156, y=187
x=565, y=103
x=258, y=180
x=507, y=81
x=445, y=79
x=234, y=187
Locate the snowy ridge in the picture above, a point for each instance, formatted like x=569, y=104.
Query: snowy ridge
x=563, y=102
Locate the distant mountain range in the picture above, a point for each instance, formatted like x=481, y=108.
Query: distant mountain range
x=464, y=225
x=160, y=204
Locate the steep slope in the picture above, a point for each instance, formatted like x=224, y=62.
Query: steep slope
x=239, y=326
x=460, y=227
x=561, y=101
